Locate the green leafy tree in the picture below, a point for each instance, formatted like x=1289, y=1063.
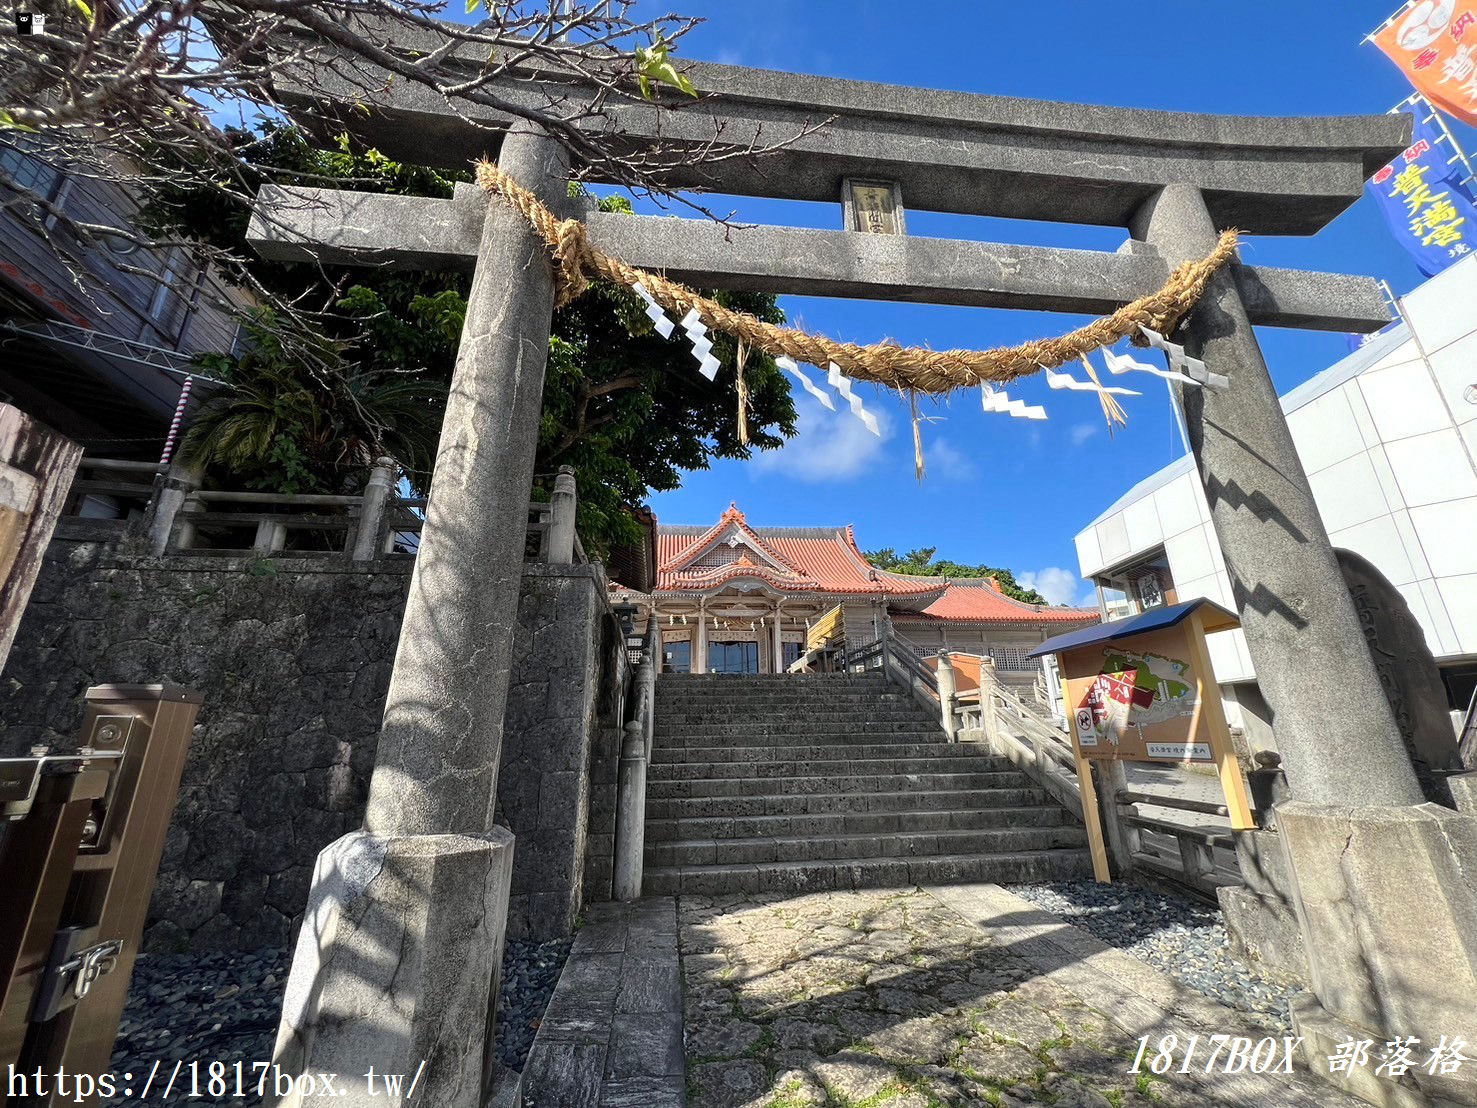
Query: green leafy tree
x=623, y=406
x=921, y=563
x=277, y=427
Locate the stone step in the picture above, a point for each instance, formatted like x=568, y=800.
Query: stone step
x=711, y=755
x=851, y=783
x=777, y=803
x=868, y=873
x=687, y=697
x=854, y=823
x=734, y=694
x=723, y=713
x=694, y=713
x=773, y=678
x=905, y=844
x=827, y=746
x=799, y=726
x=914, y=763
x=825, y=691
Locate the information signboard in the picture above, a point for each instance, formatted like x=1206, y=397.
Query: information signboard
x=1142, y=689
x=1137, y=701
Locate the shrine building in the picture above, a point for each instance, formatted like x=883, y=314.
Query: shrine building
x=732, y=598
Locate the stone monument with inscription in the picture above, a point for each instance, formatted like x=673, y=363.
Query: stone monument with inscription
x=1407, y=673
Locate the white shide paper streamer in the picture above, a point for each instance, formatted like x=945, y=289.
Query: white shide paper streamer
x=996, y=400
x=654, y=312
x=1067, y=381
x=1193, y=369
x=789, y=366
x=842, y=384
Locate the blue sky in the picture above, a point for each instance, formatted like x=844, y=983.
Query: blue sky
x=999, y=490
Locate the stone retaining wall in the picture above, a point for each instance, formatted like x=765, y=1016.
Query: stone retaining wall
x=293, y=657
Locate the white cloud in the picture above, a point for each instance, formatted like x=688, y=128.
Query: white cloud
x=1081, y=432
x=1059, y=586
x=947, y=462
x=828, y=446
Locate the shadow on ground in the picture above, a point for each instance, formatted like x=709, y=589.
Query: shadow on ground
x=891, y=998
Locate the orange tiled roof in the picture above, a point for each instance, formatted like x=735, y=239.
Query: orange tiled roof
x=976, y=601
x=799, y=559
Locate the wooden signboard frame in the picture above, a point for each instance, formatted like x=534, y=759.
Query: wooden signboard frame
x=1208, y=717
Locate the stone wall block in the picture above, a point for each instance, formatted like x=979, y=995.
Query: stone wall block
x=294, y=665
x=1401, y=882
x=288, y=891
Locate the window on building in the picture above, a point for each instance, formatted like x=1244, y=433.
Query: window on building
x=172, y=294
x=1011, y=657
x=27, y=171
x=677, y=657
x=1134, y=588
x=790, y=653
x=733, y=657
x=242, y=343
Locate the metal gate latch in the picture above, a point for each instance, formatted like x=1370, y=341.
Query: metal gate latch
x=73, y=970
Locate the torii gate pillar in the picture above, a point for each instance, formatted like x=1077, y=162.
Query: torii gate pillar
x=398, y=962
x=1384, y=882
x=1296, y=612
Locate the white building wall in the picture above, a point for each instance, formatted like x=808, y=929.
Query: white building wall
x=1388, y=440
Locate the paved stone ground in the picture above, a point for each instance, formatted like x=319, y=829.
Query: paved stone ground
x=612, y=1033
x=897, y=999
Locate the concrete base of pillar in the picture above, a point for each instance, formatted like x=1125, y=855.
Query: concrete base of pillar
x=1388, y=903
x=1261, y=919
x=396, y=968
x=1463, y=790
x=1264, y=933
x=1324, y=1034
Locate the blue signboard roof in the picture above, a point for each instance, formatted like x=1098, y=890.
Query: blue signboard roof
x=1216, y=618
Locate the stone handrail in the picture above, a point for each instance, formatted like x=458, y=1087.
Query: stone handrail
x=902, y=663
x=175, y=508
x=630, y=820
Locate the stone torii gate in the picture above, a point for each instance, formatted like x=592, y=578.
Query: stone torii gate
x=403, y=937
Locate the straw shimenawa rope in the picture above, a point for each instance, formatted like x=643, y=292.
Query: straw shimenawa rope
x=899, y=367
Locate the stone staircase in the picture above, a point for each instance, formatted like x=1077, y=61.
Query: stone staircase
x=807, y=782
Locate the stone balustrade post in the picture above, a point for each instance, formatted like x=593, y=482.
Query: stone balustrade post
x=174, y=493
x=989, y=721
x=630, y=823
x=271, y=536
x=1113, y=780
x=948, y=699
x=647, y=688
x=373, y=508
x=184, y=532
x=562, y=505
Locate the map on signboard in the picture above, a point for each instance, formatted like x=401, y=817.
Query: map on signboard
x=1136, y=704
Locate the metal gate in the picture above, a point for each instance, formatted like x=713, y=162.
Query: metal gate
x=81, y=835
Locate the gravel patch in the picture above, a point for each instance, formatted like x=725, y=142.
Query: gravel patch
x=530, y=972
x=224, y=1007
x=1176, y=935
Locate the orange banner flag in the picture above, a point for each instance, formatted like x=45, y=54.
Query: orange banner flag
x=1435, y=43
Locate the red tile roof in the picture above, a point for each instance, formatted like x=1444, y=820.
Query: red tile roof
x=826, y=560
x=975, y=601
